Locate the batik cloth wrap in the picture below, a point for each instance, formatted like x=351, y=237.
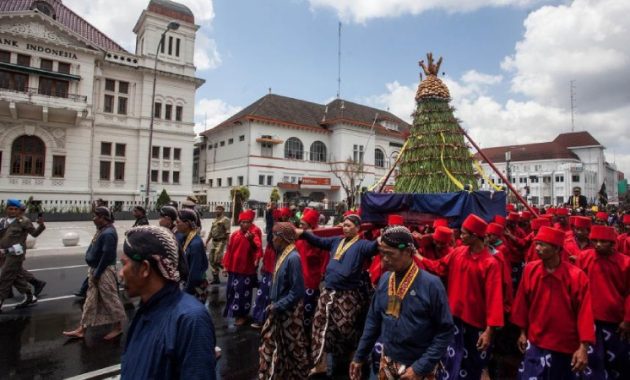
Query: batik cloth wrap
x=609, y=358
x=338, y=322
x=389, y=369
x=462, y=360
x=262, y=297
x=239, y=294
x=102, y=305
x=283, y=348
x=310, y=305
x=541, y=364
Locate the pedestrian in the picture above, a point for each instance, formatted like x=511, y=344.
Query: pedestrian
x=13, y=232
x=168, y=217
x=409, y=312
x=171, y=335
x=239, y=263
x=314, y=261
x=102, y=304
x=624, y=229
x=608, y=273
x=38, y=285
x=141, y=216
x=283, y=348
x=475, y=295
x=516, y=245
x=536, y=224
x=578, y=241
x=192, y=247
x=553, y=310
x=219, y=234
x=343, y=302
x=601, y=218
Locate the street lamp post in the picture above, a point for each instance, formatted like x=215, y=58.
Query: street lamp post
x=171, y=26
x=508, y=157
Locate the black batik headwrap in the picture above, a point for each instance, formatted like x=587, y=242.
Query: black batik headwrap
x=189, y=216
x=169, y=212
x=397, y=237
x=155, y=244
x=104, y=212
x=354, y=218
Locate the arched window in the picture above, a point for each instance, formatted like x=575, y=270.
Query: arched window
x=294, y=149
x=379, y=158
x=28, y=154
x=318, y=151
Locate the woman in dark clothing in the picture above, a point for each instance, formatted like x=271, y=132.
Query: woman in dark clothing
x=194, y=254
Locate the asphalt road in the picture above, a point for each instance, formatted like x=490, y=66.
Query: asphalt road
x=32, y=346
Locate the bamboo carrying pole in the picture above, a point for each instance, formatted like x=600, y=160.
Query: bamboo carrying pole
x=509, y=185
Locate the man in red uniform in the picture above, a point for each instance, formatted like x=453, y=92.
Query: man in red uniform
x=537, y=223
x=601, y=218
x=475, y=296
x=625, y=224
x=524, y=222
x=562, y=220
x=553, y=309
x=239, y=262
x=608, y=272
x=516, y=246
x=314, y=261
x=494, y=240
x=578, y=241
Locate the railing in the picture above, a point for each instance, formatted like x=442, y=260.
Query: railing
x=47, y=92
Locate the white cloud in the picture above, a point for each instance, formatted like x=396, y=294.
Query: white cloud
x=116, y=18
x=211, y=112
x=360, y=11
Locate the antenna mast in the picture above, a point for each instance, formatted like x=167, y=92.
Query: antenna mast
x=339, y=63
x=572, y=88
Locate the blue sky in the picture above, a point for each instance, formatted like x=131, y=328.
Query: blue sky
x=507, y=63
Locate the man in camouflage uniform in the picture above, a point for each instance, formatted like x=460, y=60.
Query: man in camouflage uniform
x=219, y=234
x=13, y=232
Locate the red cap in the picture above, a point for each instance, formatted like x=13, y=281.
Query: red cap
x=603, y=233
x=626, y=219
x=443, y=234
x=602, y=215
x=495, y=229
x=499, y=220
x=513, y=217
x=246, y=216
x=582, y=222
x=310, y=217
x=284, y=212
x=562, y=212
x=510, y=207
x=572, y=220
x=395, y=220
x=547, y=216
x=540, y=222
x=551, y=236
x=526, y=215
x=440, y=222
x=475, y=225
x=350, y=212
x=551, y=211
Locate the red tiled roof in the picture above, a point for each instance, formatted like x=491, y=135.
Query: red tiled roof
x=298, y=112
x=67, y=18
x=576, y=139
x=528, y=152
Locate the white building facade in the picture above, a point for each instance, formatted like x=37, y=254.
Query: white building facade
x=75, y=107
x=546, y=173
x=299, y=147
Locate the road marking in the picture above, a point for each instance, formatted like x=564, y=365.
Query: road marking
x=57, y=268
x=40, y=300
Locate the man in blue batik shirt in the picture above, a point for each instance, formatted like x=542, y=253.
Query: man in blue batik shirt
x=409, y=312
x=171, y=335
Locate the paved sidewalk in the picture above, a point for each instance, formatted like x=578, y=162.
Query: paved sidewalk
x=49, y=242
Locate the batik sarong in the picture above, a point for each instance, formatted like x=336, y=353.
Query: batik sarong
x=609, y=358
x=389, y=369
x=102, y=304
x=282, y=352
x=262, y=298
x=310, y=305
x=201, y=291
x=238, y=295
x=541, y=364
x=462, y=360
x=338, y=322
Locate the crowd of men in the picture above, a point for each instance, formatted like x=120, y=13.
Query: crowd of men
x=401, y=301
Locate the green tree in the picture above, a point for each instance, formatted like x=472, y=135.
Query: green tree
x=162, y=200
x=275, y=195
x=239, y=196
x=436, y=146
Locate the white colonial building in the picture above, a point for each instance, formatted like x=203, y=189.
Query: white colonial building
x=75, y=106
x=547, y=172
x=299, y=147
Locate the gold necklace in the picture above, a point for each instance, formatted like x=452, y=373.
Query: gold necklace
x=283, y=257
x=342, y=248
